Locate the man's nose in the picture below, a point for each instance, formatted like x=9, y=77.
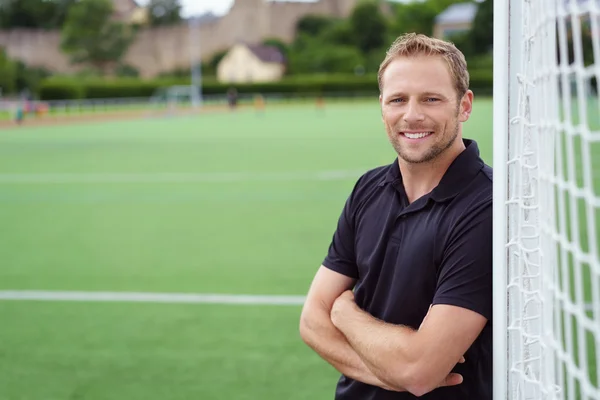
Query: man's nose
x=413, y=112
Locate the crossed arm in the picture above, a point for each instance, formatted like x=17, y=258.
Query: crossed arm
x=393, y=357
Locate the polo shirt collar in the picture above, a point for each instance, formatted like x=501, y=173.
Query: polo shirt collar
x=464, y=167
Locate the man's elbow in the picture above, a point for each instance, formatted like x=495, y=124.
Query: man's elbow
x=308, y=326
x=416, y=379
x=304, y=328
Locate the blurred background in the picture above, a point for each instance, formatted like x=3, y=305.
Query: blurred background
x=91, y=55
x=171, y=175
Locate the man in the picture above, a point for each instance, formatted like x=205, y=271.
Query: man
x=414, y=242
x=232, y=98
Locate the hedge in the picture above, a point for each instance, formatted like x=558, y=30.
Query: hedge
x=67, y=88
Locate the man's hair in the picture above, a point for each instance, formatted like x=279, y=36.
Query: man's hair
x=412, y=44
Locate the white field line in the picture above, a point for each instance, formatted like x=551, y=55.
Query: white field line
x=133, y=297
x=129, y=297
x=214, y=177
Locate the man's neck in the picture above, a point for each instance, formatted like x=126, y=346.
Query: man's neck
x=420, y=179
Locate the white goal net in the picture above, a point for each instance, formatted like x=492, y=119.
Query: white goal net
x=547, y=199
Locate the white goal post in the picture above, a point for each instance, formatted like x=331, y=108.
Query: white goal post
x=546, y=199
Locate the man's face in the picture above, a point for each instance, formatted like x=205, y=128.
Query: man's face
x=420, y=107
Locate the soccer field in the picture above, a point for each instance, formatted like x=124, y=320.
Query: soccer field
x=230, y=204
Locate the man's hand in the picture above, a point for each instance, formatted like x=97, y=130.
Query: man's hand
x=341, y=305
x=345, y=306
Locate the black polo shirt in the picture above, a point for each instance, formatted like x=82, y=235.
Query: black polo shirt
x=405, y=257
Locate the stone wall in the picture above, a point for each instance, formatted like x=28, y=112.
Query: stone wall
x=167, y=48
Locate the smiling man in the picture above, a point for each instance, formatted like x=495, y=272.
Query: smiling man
x=402, y=304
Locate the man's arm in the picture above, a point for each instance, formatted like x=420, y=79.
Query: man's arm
x=319, y=333
x=418, y=360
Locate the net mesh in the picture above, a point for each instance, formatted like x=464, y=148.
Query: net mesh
x=553, y=202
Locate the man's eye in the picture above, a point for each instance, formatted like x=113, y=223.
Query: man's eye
x=432, y=99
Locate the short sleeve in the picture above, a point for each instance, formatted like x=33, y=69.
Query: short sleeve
x=465, y=274
x=341, y=256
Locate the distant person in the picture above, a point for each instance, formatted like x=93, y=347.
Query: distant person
x=259, y=103
x=232, y=98
x=19, y=114
x=405, y=290
x=320, y=103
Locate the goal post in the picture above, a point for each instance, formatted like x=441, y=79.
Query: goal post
x=546, y=199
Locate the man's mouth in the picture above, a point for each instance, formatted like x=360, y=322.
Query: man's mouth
x=416, y=135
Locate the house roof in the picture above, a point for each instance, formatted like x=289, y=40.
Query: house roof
x=269, y=54
x=457, y=14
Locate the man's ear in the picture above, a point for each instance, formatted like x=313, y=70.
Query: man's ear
x=466, y=106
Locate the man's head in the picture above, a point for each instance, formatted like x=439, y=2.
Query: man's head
x=424, y=96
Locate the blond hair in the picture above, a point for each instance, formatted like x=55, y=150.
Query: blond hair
x=412, y=44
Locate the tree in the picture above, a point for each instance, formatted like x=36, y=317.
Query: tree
x=313, y=25
x=339, y=33
x=37, y=14
x=368, y=26
x=90, y=36
x=29, y=78
x=310, y=55
x=418, y=17
x=482, y=32
x=164, y=12
x=414, y=17
x=8, y=73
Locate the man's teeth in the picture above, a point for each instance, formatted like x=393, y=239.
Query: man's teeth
x=417, y=135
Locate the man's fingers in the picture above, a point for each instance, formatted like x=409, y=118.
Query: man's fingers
x=462, y=359
x=452, y=380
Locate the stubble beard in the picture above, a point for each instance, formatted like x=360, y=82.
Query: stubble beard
x=449, y=136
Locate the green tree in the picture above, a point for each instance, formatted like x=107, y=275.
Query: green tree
x=368, y=26
x=310, y=55
x=339, y=33
x=37, y=14
x=164, y=12
x=418, y=17
x=482, y=30
x=414, y=17
x=29, y=78
x=90, y=36
x=8, y=73
x=313, y=25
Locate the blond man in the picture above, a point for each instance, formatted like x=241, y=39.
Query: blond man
x=401, y=306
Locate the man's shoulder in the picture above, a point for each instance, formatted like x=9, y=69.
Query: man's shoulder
x=483, y=184
x=478, y=195
x=485, y=181
x=369, y=184
x=488, y=172
x=372, y=178
x=375, y=175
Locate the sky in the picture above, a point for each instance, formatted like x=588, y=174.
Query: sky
x=198, y=7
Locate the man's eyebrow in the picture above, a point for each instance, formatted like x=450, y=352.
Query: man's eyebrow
x=434, y=94
x=428, y=94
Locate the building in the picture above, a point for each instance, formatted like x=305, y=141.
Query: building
x=251, y=63
x=129, y=12
x=165, y=49
x=455, y=19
